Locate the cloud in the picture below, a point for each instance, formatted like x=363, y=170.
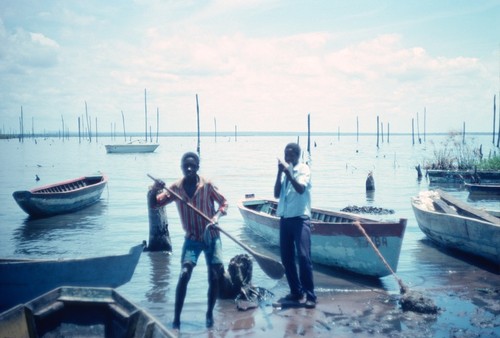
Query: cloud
x=256, y=81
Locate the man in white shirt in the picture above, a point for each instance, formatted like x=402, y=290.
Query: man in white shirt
x=292, y=187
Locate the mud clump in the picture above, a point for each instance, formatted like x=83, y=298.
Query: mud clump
x=416, y=302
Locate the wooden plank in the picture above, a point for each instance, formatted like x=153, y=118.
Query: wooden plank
x=441, y=205
x=466, y=209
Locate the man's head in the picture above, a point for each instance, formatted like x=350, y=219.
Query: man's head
x=292, y=153
x=190, y=163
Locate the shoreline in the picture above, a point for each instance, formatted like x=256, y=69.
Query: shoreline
x=469, y=307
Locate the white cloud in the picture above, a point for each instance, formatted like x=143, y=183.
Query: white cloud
x=259, y=82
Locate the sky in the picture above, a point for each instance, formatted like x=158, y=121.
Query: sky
x=254, y=65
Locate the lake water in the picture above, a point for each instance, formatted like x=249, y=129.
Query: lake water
x=246, y=165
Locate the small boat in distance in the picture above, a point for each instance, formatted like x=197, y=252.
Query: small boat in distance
x=131, y=147
x=62, y=197
x=454, y=224
x=24, y=279
x=335, y=240
x=80, y=312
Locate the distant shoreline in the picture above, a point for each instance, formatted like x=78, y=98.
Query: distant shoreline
x=139, y=135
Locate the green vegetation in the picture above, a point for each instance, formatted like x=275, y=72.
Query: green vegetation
x=492, y=163
x=457, y=154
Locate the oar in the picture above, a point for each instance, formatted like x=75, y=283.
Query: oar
x=411, y=300
x=271, y=267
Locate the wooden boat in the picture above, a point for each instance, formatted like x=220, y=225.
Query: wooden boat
x=463, y=176
x=80, y=312
x=452, y=223
x=63, y=197
x=24, y=279
x=131, y=148
x=483, y=189
x=335, y=240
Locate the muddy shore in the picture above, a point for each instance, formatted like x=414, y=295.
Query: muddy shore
x=469, y=307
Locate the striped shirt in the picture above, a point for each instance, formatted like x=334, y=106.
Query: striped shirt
x=204, y=199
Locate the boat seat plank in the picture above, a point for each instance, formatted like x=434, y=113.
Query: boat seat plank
x=441, y=205
x=469, y=211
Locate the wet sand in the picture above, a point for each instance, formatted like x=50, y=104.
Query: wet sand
x=469, y=307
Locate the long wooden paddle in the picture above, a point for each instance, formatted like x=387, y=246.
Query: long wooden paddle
x=271, y=267
x=410, y=300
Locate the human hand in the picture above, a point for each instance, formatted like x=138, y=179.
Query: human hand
x=159, y=185
x=281, y=165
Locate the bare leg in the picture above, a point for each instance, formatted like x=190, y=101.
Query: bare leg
x=214, y=274
x=180, y=293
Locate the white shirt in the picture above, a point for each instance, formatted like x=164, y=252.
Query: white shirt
x=291, y=203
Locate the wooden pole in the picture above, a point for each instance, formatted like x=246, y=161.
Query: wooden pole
x=235, y=133
x=157, y=123
x=494, y=117
x=388, y=132
x=123, y=123
x=357, y=128
x=62, y=120
x=498, y=138
x=88, y=123
x=382, y=130
x=309, y=134
x=413, y=131
x=22, y=125
x=418, y=129
x=145, y=116
x=198, y=124
x=463, y=133
x=425, y=120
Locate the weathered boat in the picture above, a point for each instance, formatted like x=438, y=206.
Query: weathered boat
x=483, y=189
x=63, y=197
x=80, y=312
x=335, y=240
x=24, y=279
x=452, y=223
x=463, y=176
x=131, y=148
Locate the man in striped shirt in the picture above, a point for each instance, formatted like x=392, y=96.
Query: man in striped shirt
x=199, y=236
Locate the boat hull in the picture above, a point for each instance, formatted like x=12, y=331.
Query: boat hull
x=466, y=234
x=61, y=198
x=130, y=148
x=483, y=189
x=80, y=312
x=461, y=176
x=338, y=243
x=23, y=279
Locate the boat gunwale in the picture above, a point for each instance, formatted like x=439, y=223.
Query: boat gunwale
x=43, y=190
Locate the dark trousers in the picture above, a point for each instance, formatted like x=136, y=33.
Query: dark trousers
x=295, y=240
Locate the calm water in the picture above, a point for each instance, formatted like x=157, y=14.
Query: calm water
x=120, y=219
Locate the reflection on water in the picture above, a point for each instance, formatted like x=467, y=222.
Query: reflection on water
x=436, y=255
x=56, y=229
x=160, y=276
x=370, y=196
